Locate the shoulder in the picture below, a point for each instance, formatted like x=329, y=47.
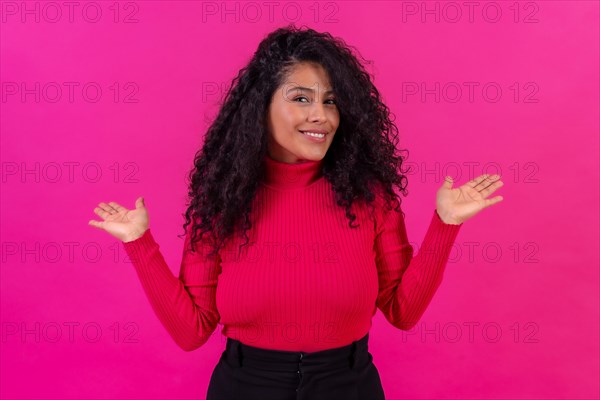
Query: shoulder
x=383, y=205
x=384, y=202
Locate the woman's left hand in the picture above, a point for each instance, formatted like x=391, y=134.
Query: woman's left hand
x=455, y=206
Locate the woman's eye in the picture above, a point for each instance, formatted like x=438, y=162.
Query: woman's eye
x=304, y=97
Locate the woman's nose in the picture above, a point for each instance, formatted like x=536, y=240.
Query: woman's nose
x=317, y=112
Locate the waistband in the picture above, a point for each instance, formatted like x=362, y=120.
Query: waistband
x=238, y=354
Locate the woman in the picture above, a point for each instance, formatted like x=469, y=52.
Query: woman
x=294, y=186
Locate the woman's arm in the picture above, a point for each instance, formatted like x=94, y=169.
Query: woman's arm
x=406, y=283
x=186, y=306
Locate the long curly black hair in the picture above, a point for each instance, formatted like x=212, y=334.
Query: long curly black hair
x=362, y=158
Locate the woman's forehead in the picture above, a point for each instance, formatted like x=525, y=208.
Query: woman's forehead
x=308, y=75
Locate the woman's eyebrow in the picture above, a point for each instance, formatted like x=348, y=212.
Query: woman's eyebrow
x=306, y=89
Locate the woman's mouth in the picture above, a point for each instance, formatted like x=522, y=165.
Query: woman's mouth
x=315, y=137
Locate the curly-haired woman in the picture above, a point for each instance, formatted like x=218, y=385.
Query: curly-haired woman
x=292, y=242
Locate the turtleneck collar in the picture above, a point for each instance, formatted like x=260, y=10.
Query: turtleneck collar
x=286, y=176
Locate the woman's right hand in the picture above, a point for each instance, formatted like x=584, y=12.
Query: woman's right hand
x=126, y=225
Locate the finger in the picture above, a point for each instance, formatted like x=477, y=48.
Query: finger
x=487, y=179
x=104, y=214
x=139, y=203
x=109, y=209
x=491, y=188
x=117, y=206
x=448, y=181
x=96, y=224
x=494, y=200
x=473, y=183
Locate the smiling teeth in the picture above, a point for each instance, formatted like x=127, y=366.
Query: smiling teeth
x=318, y=135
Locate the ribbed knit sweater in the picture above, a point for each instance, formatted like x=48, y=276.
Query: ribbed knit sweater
x=306, y=281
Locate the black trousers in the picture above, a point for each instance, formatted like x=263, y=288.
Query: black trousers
x=250, y=373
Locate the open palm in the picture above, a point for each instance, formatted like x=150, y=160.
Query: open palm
x=457, y=205
x=126, y=225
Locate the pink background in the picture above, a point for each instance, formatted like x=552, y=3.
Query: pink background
x=533, y=269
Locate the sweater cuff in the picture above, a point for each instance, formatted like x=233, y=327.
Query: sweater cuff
x=140, y=247
x=438, y=241
x=437, y=217
x=443, y=234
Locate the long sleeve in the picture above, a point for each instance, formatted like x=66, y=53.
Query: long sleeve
x=406, y=283
x=186, y=306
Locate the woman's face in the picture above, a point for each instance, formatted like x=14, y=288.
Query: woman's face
x=303, y=103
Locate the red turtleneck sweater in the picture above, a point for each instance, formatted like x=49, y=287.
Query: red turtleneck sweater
x=306, y=281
